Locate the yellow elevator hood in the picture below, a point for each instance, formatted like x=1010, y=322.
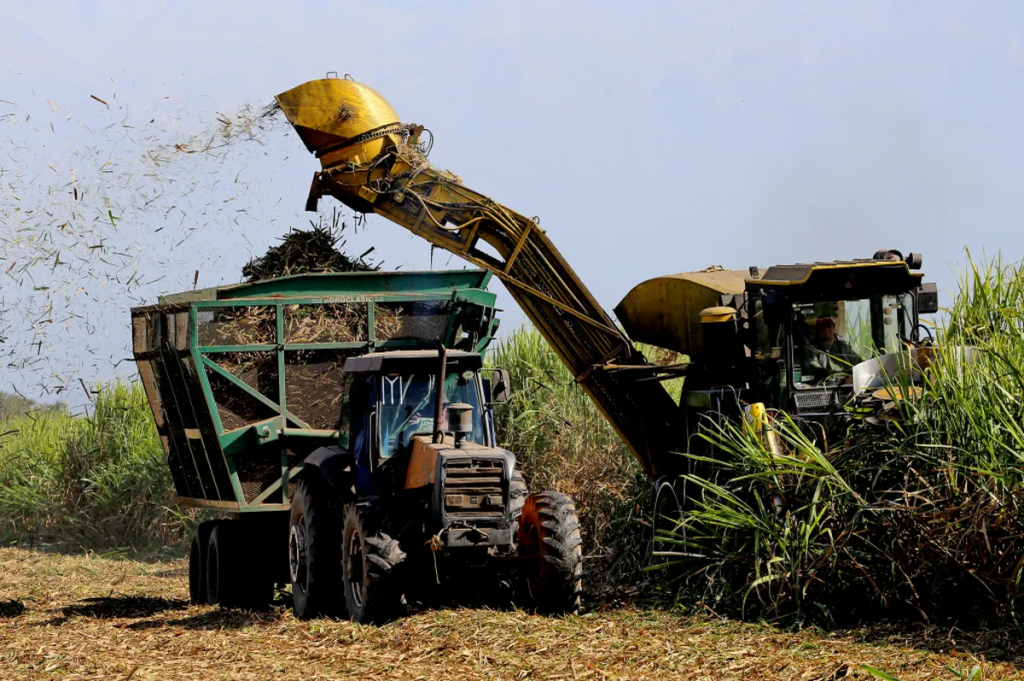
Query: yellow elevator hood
x=339, y=119
x=665, y=311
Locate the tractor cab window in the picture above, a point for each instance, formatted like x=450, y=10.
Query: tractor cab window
x=408, y=403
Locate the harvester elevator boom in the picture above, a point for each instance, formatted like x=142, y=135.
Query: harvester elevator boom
x=372, y=162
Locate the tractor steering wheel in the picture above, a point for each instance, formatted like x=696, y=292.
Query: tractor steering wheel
x=916, y=336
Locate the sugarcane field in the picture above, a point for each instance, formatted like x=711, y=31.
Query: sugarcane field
x=291, y=389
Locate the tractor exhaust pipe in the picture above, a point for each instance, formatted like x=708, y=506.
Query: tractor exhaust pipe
x=442, y=369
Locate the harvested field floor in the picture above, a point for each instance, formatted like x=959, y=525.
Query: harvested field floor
x=80, y=616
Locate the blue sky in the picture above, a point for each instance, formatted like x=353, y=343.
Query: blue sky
x=649, y=137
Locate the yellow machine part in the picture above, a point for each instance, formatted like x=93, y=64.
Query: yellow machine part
x=666, y=311
x=329, y=114
x=399, y=183
x=718, y=315
x=756, y=421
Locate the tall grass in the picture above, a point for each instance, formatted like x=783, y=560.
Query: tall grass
x=921, y=518
x=96, y=480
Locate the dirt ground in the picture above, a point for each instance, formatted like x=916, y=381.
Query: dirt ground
x=80, y=616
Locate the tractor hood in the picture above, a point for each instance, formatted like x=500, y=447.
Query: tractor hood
x=426, y=455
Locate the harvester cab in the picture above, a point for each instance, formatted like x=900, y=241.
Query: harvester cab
x=811, y=326
x=792, y=337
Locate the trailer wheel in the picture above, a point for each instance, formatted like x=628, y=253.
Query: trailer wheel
x=220, y=559
x=373, y=592
x=314, y=560
x=550, y=545
x=197, y=552
x=517, y=491
x=235, y=577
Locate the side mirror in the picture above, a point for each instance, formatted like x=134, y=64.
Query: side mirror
x=927, y=298
x=500, y=386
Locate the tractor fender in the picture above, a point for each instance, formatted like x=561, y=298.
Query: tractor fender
x=335, y=467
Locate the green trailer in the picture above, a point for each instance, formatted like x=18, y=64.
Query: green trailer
x=245, y=381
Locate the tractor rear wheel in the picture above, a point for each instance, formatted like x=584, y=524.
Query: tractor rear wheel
x=314, y=555
x=551, y=553
x=373, y=592
x=197, y=551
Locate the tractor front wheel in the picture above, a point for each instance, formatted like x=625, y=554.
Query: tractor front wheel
x=551, y=553
x=371, y=560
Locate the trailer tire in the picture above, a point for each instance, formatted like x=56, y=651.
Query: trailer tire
x=234, y=575
x=314, y=560
x=197, y=552
x=371, y=559
x=221, y=558
x=517, y=492
x=551, y=547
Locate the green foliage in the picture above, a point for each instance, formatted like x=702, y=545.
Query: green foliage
x=760, y=532
x=97, y=480
x=921, y=516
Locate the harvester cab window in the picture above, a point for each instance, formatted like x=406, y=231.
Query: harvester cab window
x=907, y=311
x=830, y=337
x=823, y=351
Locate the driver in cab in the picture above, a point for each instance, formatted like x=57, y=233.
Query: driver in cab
x=827, y=354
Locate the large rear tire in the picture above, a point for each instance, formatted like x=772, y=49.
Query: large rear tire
x=314, y=552
x=373, y=591
x=197, y=552
x=551, y=550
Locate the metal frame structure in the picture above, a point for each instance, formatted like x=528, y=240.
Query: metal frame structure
x=176, y=374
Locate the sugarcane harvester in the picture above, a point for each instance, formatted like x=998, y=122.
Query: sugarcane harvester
x=749, y=337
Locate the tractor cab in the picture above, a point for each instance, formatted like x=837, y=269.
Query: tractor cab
x=421, y=432
x=393, y=398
